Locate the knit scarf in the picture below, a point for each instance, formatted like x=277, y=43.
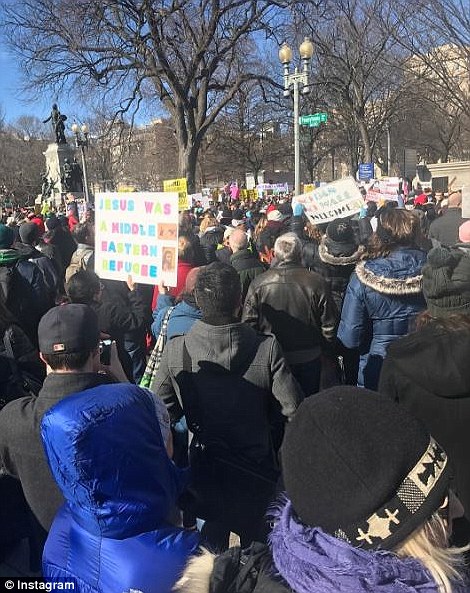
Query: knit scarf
x=312, y=561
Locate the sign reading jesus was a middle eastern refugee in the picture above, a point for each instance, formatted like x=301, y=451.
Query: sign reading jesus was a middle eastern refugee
x=334, y=200
x=137, y=235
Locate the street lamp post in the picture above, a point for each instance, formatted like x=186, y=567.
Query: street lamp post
x=297, y=80
x=81, y=142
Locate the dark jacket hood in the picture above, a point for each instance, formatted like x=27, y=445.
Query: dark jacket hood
x=400, y=273
x=339, y=254
x=27, y=251
x=419, y=351
x=227, y=347
x=106, y=452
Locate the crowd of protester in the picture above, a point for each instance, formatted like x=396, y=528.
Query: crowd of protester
x=303, y=387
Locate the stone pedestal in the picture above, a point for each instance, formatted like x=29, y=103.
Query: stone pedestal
x=55, y=157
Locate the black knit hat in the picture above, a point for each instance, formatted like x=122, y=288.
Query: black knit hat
x=446, y=282
x=340, y=231
x=29, y=233
x=358, y=466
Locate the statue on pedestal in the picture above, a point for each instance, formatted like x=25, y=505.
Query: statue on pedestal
x=67, y=176
x=58, y=126
x=47, y=186
x=77, y=176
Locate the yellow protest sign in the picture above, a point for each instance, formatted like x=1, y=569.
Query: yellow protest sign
x=180, y=186
x=308, y=187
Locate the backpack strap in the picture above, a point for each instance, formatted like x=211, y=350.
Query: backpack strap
x=156, y=355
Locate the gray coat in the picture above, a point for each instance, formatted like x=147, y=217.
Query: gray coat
x=241, y=380
x=445, y=229
x=21, y=452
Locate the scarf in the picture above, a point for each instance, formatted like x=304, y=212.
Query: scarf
x=312, y=561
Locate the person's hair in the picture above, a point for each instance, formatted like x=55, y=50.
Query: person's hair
x=260, y=225
x=396, y=228
x=312, y=232
x=238, y=240
x=288, y=248
x=185, y=222
x=371, y=208
x=218, y=292
x=82, y=231
x=71, y=361
x=83, y=286
x=429, y=545
x=207, y=222
x=186, y=250
x=455, y=322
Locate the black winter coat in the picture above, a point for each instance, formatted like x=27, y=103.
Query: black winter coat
x=428, y=372
x=248, y=267
x=121, y=312
x=209, y=242
x=25, y=354
x=336, y=262
x=296, y=306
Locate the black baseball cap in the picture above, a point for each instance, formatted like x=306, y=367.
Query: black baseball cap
x=67, y=329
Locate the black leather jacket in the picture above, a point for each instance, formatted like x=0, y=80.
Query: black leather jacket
x=296, y=306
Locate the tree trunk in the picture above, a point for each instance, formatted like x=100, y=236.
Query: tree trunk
x=364, y=132
x=187, y=164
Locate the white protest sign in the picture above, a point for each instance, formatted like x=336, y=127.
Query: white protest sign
x=384, y=189
x=334, y=200
x=203, y=199
x=137, y=235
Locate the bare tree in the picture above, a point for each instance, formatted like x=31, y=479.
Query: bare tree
x=357, y=66
x=193, y=56
x=436, y=35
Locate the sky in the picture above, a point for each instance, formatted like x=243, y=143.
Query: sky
x=11, y=102
x=14, y=103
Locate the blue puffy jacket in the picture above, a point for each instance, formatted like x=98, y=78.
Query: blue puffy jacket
x=106, y=452
x=382, y=297
x=181, y=320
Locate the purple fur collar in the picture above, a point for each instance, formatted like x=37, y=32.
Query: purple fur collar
x=312, y=561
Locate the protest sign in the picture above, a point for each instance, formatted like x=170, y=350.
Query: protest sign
x=203, y=199
x=308, y=187
x=384, y=189
x=137, y=235
x=276, y=188
x=334, y=200
x=180, y=186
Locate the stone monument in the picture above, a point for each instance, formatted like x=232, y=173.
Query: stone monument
x=56, y=182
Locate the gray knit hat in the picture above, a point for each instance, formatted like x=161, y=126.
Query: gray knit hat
x=446, y=282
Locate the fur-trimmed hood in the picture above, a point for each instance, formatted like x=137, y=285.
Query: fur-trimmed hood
x=197, y=574
x=327, y=257
x=398, y=274
x=236, y=570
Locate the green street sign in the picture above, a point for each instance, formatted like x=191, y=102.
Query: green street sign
x=313, y=120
